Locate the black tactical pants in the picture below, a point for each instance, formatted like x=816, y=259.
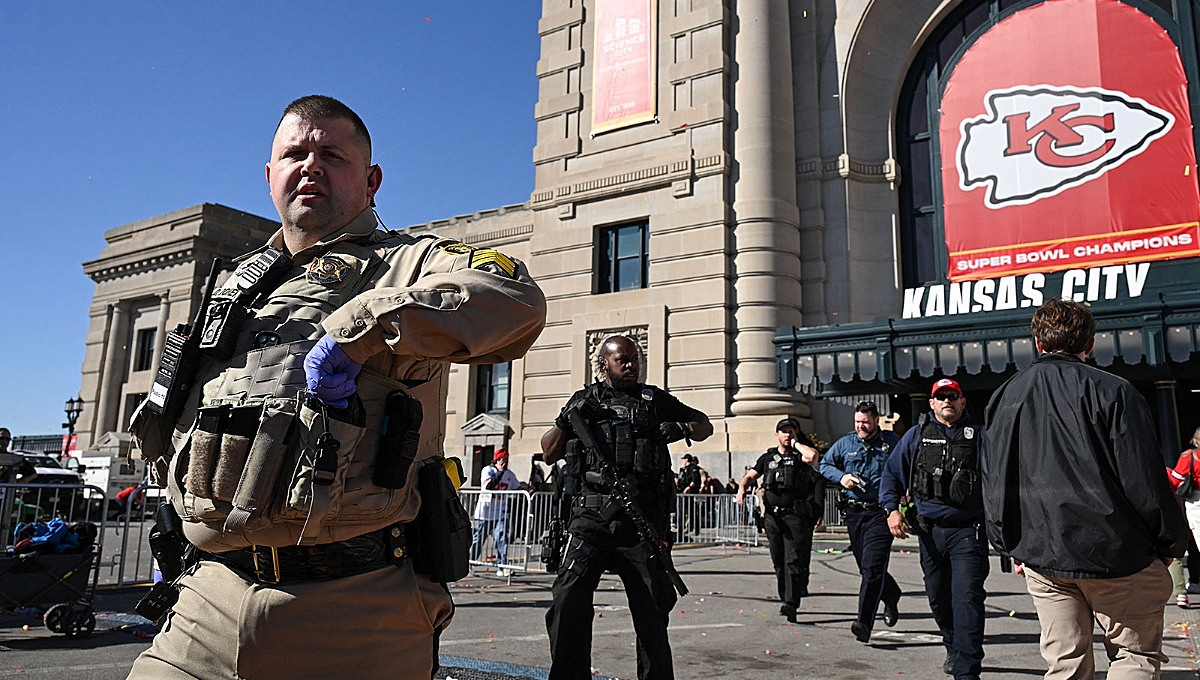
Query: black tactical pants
x=790, y=538
x=569, y=621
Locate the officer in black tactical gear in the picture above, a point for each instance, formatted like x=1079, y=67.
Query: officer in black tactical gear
x=793, y=493
x=936, y=464
x=631, y=423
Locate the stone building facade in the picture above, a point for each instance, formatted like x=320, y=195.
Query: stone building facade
x=148, y=280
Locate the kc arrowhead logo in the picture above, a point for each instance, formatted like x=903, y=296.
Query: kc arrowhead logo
x=1038, y=141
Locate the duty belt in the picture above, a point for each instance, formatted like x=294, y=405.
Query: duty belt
x=593, y=501
x=862, y=506
x=297, y=563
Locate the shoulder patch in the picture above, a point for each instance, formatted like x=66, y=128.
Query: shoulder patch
x=327, y=270
x=486, y=256
x=455, y=248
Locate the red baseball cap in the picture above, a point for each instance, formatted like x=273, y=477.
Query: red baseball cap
x=945, y=384
x=500, y=453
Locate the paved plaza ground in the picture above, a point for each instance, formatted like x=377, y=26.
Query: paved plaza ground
x=728, y=626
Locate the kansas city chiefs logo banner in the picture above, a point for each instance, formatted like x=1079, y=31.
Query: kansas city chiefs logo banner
x=1066, y=141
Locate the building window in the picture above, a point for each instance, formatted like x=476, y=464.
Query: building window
x=143, y=357
x=492, y=388
x=922, y=231
x=623, y=254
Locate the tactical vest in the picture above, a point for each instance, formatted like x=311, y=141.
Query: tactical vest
x=946, y=470
x=630, y=430
x=782, y=474
x=247, y=464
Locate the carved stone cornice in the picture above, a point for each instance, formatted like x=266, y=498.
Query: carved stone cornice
x=845, y=167
x=640, y=179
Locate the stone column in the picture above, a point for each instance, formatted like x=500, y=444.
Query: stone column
x=1168, y=421
x=110, y=388
x=766, y=233
x=160, y=334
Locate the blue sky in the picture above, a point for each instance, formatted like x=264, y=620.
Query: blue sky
x=115, y=112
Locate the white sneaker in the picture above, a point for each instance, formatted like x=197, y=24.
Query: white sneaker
x=1182, y=600
x=506, y=572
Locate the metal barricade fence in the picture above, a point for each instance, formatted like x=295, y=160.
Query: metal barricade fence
x=22, y=503
x=715, y=518
x=501, y=523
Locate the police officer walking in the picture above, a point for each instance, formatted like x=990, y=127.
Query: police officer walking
x=629, y=425
x=855, y=462
x=327, y=348
x=936, y=463
x=793, y=493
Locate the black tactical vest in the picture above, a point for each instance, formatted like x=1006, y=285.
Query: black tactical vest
x=782, y=473
x=946, y=470
x=631, y=429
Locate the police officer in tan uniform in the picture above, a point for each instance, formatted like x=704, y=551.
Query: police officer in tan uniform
x=293, y=475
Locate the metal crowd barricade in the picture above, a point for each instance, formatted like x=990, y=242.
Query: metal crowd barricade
x=514, y=515
x=715, y=518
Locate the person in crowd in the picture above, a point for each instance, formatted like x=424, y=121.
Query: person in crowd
x=936, y=464
x=630, y=424
x=1074, y=492
x=855, y=463
x=326, y=339
x=793, y=494
x=491, y=512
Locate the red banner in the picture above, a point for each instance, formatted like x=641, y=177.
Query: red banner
x=1066, y=142
x=624, y=64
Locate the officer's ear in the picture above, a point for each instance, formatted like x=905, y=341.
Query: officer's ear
x=374, y=179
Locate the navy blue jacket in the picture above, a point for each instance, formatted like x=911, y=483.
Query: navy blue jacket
x=896, y=476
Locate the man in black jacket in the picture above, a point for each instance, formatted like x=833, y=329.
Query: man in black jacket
x=1074, y=491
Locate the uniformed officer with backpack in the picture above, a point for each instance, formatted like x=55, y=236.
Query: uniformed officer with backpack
x=931, y=487
x=793, y=492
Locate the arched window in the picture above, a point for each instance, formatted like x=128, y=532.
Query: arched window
x=923, y=248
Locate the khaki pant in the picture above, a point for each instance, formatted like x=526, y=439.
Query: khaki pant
x=382, y=624
x=1128, y=609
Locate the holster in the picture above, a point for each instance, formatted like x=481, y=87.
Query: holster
x=442, y=547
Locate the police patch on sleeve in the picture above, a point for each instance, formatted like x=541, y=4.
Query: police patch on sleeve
x=455, y=248
x=969, y=432
x=327, y=270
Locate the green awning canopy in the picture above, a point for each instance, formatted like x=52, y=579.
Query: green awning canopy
x=1147, y=340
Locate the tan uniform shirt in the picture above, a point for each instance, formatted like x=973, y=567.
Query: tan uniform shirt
x=404, y=307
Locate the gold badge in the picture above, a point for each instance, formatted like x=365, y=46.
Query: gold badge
x=327, y=270
x=486, y=256
x=455, y=248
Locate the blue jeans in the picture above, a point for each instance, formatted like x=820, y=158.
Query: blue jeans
x=495, y=527
x=871, y=542
x=955, y=562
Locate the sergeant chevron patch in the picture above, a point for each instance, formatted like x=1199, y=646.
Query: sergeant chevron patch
x=485, y=256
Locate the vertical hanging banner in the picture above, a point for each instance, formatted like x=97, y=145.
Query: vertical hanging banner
x=1066, y=142
x=624, y=65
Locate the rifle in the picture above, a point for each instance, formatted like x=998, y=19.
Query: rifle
x=622, y=491
x=181, y=358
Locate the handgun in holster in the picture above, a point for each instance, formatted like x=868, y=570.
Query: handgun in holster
x=171, y=552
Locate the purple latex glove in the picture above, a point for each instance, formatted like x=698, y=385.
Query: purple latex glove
x=330, y=373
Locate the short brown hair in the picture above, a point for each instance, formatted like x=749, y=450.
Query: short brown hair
x=320, y=106
x=1063, y=326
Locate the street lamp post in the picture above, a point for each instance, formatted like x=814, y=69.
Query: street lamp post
x=73, y=408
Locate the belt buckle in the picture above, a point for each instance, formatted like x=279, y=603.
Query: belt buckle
x=258, y=572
